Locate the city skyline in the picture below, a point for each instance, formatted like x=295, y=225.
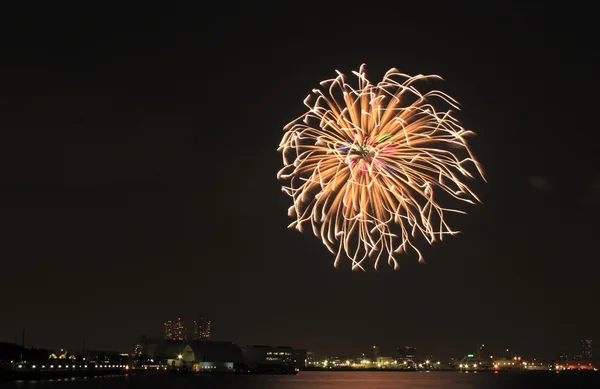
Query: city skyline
x=202, y=356
x=148, y=347
x=140, y=177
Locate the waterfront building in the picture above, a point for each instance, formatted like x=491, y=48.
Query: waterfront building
x=208, y=355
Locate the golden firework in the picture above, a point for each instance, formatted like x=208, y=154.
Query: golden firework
x=366, y=167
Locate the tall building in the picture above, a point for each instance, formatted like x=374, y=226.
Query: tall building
x=175, y=330
x=201, y=329
x=586, y=349
x=179, y=330
x=168, y=329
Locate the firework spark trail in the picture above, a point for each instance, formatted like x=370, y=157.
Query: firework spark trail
x=364, y=166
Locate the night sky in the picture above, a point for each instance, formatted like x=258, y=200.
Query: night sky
x=139, y=160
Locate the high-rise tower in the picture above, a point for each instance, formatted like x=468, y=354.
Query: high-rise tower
x=175, y=330
x=201, y=328
x=586, y=349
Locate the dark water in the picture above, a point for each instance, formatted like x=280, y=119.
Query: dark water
x=330, y=380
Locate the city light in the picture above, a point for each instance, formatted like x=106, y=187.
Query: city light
x=404, y=358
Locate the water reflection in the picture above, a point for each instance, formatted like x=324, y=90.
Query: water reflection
x=327, y=380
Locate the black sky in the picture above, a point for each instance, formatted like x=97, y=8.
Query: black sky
x=138, y=150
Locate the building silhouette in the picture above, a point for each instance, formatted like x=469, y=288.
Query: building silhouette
x=175, y=330
x=220, y=356
x=201, y=328
x=586, y=349
x=407, y=353
x=168, y=329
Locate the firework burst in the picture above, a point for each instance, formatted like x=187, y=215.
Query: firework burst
x=366, y=167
